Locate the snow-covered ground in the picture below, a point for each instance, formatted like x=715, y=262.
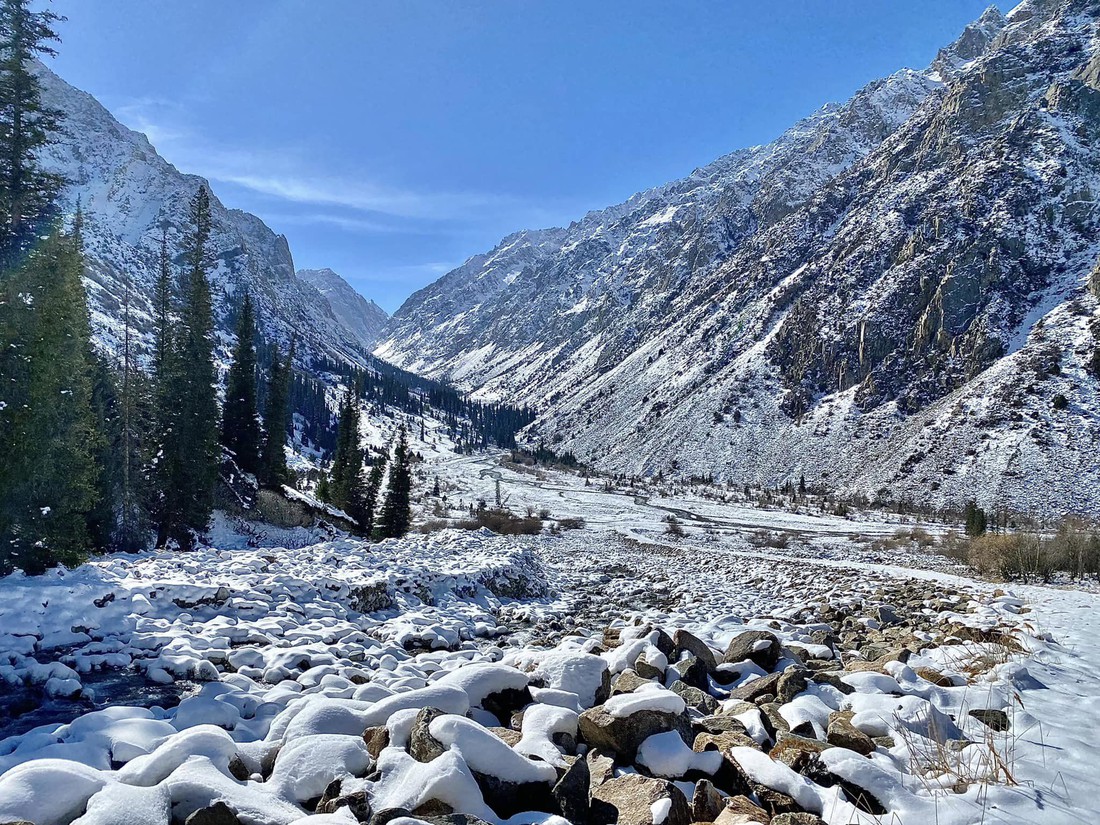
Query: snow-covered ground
x=290, y=684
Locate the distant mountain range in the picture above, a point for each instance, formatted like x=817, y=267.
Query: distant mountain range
x=130, y=195
x=891, y=299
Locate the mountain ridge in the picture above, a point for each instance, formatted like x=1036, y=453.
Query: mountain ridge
x=821, y=305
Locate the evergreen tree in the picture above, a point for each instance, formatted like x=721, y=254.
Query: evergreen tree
x=187, y=406
x=48, y=432
x=165, y=499
x=240, y=425
x=276, y=419
x=974, y=518
x=26, y=125
x=345, y=487
x=374, y=490
x=396, y=515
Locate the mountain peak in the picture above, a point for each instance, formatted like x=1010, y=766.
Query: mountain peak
x=360, y=316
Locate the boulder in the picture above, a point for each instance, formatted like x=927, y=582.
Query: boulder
x=844, y=734
x=758, y=646
x=623, y=734
x=740, y=810
x=639, y=800
x=684, y=642
x=571, y=793
x=706, y=802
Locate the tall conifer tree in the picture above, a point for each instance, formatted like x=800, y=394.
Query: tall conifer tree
x=396, y=515
x=27, y=192
x=48, y=433
x=240, y=424
x=276, y=418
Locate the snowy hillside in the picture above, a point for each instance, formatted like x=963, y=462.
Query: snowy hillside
x=130, y=195
x=892, y=298
x=362, y=317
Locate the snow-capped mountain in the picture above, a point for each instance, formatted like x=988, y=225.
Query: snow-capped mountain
x=892, y=298
x=130, y=195
x=364, y=318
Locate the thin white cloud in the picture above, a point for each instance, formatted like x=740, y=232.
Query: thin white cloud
x=286, y=176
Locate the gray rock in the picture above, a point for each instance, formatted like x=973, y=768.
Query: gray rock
x=685, y=642
x=743, y=647
x=695, y=698
x=571, y=793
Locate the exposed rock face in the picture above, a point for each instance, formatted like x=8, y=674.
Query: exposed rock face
x=886, y=298
x=363, y=318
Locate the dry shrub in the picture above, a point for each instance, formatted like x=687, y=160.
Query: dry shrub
x=503, y=522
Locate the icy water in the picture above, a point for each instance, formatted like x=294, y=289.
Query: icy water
x=23, y=709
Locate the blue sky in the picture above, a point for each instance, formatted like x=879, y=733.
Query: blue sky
x=392, y=140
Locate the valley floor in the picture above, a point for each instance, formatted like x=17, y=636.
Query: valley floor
x=146, y=689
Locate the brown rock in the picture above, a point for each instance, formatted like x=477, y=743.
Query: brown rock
x=376, y=738
x=628, y=800
x=740, y=810
x=844, y=734
x=706, y=803
x=623, y=734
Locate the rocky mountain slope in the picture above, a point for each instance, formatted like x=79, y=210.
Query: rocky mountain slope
x=354, y=312
x=130, y=196
x=890, y=299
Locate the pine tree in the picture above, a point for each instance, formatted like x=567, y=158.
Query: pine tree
x=27, y=192
x=345, y=487
x=187, y=409
x=240, y=425
x=48, y=433
x=396, y=515
x=276, y=418
x=165, y=498
x=374, y=490
x=975, y=519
